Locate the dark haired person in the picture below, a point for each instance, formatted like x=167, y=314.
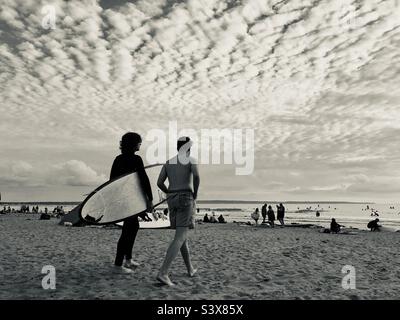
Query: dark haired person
x=281, y=213
x=264, y=212
x=128, y=162
x=271, y=216
x=335, y=227
x=184, y=180
x=373, y=225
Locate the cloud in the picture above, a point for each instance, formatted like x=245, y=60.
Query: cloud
x=318, y=82
x=69, y=173
x=21, y=169
x=75, y=173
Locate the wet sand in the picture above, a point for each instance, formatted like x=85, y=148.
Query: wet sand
x=234, y=261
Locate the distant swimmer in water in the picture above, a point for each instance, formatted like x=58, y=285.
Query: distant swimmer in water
x=317, y=214
x=373, y=225
x=255, y=216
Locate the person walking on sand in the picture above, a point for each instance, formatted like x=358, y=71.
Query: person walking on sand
x=256, y=215
x=271, y=216
x=128, y=162
x=184, y=181
x=281, y=213
x=264, y=212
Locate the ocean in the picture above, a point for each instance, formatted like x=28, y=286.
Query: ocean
x=355, y=215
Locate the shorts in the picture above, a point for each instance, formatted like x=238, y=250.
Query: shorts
x=181, y=209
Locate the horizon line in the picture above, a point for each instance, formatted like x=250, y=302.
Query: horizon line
x=210, y=201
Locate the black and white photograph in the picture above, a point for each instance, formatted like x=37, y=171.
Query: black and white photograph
x=202, y=150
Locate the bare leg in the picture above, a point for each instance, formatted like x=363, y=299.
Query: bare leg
x=186, y=258
x=173, y=249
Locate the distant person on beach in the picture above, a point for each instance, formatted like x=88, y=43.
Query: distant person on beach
x=373, y=225
x=264, y=212
x=271, y=216
x=221, y=219
x=335, y=227
x=184, y=181
x=213, y=218
x=125, y=163
x=281, y=213
x=206, y=218
x=255, y=216
x=317, y=214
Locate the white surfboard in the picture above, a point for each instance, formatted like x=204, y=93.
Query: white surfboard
x=120, y=198
x=158, y=221
x=389, y=229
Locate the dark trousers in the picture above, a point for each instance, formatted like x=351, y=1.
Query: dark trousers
x=127, y=239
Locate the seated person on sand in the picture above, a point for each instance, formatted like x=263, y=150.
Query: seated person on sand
x=206, y=219
x=221, y=219
x=335, y=227
x=213, y=219
x=373, y=225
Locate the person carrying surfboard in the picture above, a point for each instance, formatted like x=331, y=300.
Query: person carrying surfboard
x=184, y=180
x=128, y=162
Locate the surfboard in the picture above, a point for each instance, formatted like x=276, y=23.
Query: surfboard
x=389, y=229
x=120, y=198
x=158, y=222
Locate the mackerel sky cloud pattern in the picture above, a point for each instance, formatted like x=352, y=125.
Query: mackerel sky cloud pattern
x=317, y=80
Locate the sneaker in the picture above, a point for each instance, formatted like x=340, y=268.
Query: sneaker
x=122, y=269
x=131, y=264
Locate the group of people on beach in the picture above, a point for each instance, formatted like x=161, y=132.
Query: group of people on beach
x=57, y=211
x=269, y=215
x=213, y=218
x=183, y=178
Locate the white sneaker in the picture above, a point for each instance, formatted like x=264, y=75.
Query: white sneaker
x=122, y=269
x=131, y=264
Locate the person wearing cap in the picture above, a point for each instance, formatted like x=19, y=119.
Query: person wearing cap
x=127, y=162
x=184, y=180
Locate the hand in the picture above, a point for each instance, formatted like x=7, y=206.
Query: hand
x=144, y=216
x=149, y=206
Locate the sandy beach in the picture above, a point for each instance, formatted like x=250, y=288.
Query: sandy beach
x=234, y=261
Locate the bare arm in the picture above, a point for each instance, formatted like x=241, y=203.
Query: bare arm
x=161, y=180
x=196, y=180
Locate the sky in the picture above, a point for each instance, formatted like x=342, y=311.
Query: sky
x=317, y=81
